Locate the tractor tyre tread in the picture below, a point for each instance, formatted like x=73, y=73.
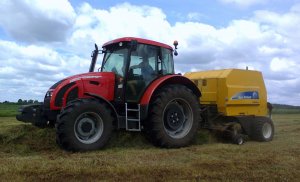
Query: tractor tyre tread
x=154, y=126
x=65, y=137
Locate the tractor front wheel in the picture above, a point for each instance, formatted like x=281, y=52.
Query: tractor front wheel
x=84, y=125
x=174, y=117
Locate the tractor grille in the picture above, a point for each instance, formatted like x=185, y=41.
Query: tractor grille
x=72, y=95
x=60, y=94
x=56, y=84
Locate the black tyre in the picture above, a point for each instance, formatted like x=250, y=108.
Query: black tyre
x=173, y=117
x=238, y=139
x=263, y=129
x=234, y=133
x=84, y=125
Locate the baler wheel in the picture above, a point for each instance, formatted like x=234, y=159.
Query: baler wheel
x=235, y=132
x=83, y=125
x=263, y=130
x=174, y=117
x=238, y=139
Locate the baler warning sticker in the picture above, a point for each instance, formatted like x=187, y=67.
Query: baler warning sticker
x=246, y=95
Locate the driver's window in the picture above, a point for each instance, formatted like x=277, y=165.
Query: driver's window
x=142, y=70
x=143, y=63
x=114, y=62
x=135, y=60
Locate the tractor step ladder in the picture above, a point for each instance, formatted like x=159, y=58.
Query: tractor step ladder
x=133, y=118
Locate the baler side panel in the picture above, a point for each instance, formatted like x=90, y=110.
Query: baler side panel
x=235, y=92
x=246, y=93
x=208, y=88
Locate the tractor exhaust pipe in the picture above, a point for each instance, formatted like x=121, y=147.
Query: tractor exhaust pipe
x=94, y=58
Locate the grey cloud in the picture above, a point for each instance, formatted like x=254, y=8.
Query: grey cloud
x=254, y=42
x=27, y=21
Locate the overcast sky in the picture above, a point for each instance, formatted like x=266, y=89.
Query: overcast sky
x=44, y=41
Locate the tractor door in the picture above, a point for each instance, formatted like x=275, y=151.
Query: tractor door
x=115, y=60
x=143, y=69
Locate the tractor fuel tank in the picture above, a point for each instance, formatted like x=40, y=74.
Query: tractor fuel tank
x=235, y=92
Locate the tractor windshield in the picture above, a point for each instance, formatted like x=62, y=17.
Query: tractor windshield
x=115, y=60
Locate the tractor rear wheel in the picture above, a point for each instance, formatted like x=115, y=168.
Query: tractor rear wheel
x=84, y=125
x=263, y=129
x=174, y=117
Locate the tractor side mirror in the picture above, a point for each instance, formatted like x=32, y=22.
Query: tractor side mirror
x=175, y=45
x=97, y=51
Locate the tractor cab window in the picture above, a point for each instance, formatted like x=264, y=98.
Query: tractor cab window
x=165, y=65
x=142, y=70
x=114, y=61
x=143, y=63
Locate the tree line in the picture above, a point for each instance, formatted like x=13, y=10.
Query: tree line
x=285, y=106
x=20, y=101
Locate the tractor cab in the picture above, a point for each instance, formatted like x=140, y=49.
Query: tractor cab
x=136, y=63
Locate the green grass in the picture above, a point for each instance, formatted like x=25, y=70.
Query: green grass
x=30, y=154
x=8, y=109
x=286, y=111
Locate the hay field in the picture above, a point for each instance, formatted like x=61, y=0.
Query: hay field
x=28, y=153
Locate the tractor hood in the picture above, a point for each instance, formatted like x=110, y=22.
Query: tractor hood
x=87, y=76
x=80, y=86
x=83, y=76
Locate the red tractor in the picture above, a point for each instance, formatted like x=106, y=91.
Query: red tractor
x=136, y=89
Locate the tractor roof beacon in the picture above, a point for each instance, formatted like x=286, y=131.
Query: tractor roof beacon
x=136, y=89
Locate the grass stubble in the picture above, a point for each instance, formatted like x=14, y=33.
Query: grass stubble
x=28, y=153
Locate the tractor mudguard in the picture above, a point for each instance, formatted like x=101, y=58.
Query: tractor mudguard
x=120, y=123
x=102, y=99
x=161, y=82
x=166, y=80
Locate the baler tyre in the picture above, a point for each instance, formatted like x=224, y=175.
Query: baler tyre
x=174, y=117
x=263, y=130
x=84, y=125
x=236, y=134
x=238, y=139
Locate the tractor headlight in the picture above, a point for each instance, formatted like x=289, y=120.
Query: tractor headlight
x=49, y=93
